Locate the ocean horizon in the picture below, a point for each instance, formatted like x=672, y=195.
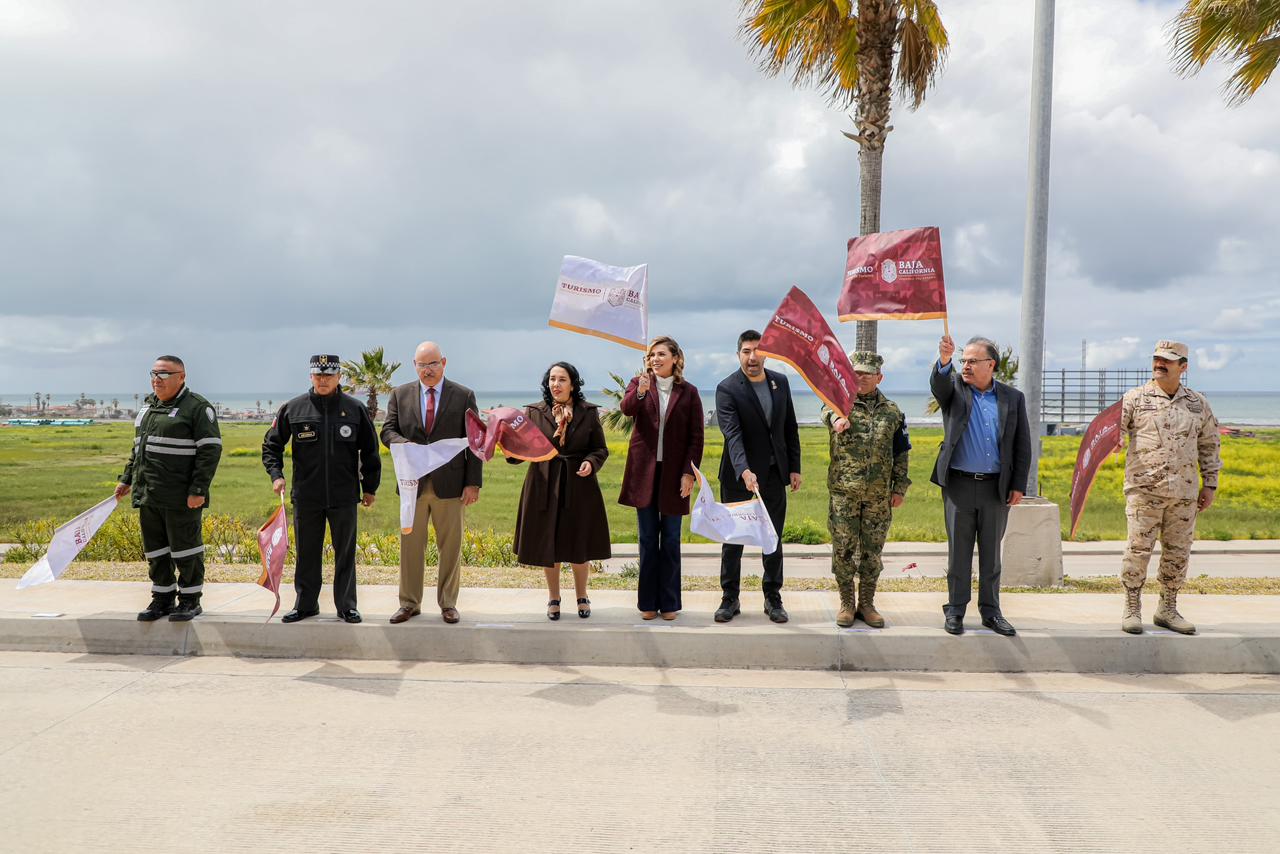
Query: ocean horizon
x=1237, y=408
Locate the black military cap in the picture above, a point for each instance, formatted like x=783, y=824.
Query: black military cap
x=326, y=364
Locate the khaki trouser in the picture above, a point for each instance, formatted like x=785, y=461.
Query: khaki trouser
x=1172, y=521
x=445, y=516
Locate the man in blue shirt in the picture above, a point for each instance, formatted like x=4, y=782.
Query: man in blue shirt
x=982, y=468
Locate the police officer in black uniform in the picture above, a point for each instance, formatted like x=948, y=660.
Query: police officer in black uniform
x=335, y=467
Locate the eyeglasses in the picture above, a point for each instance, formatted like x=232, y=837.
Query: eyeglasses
x=164, y=375
x=964, y=362
x=429, y=366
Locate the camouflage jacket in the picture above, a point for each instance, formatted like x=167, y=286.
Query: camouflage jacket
x=176, y=449
x=1168, y=437
x=871, y=456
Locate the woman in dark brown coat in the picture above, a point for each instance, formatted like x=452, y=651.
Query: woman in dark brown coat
x=561, y=517
x=666, y=443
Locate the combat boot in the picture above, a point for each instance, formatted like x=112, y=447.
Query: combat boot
x=846, y=616
x=161, y=606
x=1167, y=614
x=1132, y=622
x=867, y=604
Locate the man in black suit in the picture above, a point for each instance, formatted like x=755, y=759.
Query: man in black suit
x=982, y=468
x=423, y=411
x=761, y=452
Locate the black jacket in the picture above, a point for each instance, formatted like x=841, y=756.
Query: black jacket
x=956, y=401
x=750, y=441
x=335, y=449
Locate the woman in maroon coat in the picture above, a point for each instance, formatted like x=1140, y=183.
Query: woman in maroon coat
x=666, y=443
x=562, y=517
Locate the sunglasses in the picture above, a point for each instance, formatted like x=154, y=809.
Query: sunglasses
x=164, y=375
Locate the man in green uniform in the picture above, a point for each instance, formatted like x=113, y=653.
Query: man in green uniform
x=866, y=480
x=176, y=448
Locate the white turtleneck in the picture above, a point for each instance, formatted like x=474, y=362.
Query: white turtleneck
x=664, y=385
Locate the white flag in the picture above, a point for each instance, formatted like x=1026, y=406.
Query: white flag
x=414, y=462
x=744, y=523
x=67, y=542
x=601, y=300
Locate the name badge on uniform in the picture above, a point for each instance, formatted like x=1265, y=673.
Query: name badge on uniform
x=306, y=434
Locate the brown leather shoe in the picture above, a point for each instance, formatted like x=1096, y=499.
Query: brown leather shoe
x=404, y=613
x=449, y=615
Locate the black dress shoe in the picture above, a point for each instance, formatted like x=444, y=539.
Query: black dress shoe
x=729, y=608
x=295, y=615
x=954, y=625
x=999, y=625
x=775, y=611
x=352, y=616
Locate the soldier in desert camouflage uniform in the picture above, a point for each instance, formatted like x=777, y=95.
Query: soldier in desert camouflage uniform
x=1170, y=430
x=866, y=480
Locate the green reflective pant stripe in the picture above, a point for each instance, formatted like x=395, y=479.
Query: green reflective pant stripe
x=858, y=531
x=174, y=548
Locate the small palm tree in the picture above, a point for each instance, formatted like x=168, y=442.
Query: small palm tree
x=614, y=419
x=1006, y=372
x=1244, y=33
x=371, y=373
x=854, y=49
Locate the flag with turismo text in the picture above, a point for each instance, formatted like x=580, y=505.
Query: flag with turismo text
x=894, y=275
x=601, y=300
x=68, y=540
x=273, y=547
x=744, y=523
x=414, y=462
x=1100, y=440
x=799, y=335
x=507, y=430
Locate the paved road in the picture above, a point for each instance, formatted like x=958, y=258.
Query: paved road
x=211, y=754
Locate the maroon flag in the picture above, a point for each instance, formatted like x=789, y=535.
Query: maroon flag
x=273, y=545
x=894, y=275
x=1100, y=441
x=510, y=432
x=799, y=335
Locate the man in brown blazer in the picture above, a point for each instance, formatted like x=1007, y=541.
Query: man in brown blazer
x=424, y=411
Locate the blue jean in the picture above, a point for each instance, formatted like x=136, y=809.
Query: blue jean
x=659, y=586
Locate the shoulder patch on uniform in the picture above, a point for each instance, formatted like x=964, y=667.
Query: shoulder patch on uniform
x=208, y=411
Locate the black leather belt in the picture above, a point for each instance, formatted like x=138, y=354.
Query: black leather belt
x=973, y=475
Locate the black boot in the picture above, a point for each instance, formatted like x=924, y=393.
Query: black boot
x=187, y=609
x=161, y=606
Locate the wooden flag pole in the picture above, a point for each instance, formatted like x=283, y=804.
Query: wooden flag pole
x=946, y=331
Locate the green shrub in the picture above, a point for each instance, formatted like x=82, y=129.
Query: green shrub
x=805, y=531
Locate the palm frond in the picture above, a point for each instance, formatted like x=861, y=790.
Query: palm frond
x=614, y=418
x=812, y=40
x=922, y=49
x=1242, y=33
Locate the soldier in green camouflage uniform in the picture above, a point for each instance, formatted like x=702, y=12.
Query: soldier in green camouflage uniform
x=866, y=480
x=1170, y=432
x=176, y=448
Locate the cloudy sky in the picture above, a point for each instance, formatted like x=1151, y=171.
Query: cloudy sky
x=248, y=183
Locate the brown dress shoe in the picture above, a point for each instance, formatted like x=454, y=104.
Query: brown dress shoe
x=449, y=615
x=404, y=613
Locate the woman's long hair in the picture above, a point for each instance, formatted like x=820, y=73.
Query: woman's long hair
x=575, y=384
x=677, y=355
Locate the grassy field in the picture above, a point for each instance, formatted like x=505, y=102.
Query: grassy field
x=55, y=472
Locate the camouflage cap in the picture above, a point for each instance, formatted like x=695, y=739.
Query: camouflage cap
x=1171, y=350
x=866, y=361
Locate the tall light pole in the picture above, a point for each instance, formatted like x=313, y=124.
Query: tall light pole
x=1035, y=252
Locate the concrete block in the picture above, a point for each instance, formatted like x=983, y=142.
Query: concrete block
x=1031, y=555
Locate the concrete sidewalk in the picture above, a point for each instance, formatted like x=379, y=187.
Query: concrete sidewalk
x=1057, y=632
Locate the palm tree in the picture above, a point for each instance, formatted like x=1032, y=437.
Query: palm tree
x=1245, y=33
x=371, y=373
x=615, y=419
x=853, y=49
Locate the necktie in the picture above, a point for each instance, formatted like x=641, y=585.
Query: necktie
x=431, y=410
